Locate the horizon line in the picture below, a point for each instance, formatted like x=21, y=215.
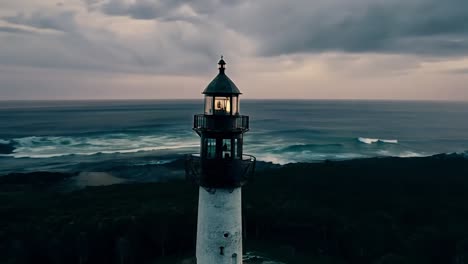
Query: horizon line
x=201, y=98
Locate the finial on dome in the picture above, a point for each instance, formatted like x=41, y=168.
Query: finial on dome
x=221, y=64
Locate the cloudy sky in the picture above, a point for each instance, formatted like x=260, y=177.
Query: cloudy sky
x=154, y=49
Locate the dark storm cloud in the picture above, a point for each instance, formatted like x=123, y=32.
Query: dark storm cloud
x=161, y=10
x=178, y=50
x=144, y=9
x=424, y=27
x=212, y=27
x=429, y=27
x=138, y=10
x=70, y=49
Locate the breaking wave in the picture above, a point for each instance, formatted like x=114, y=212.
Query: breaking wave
x=276, y=151
x=49, y=147
x=377, y=140
x=305, y=147
x=403, y=154
x=4, y=142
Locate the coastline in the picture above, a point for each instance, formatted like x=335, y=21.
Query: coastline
x=143, y=168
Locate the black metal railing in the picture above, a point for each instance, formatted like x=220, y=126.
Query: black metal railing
x=220, y=173
x=220, y=122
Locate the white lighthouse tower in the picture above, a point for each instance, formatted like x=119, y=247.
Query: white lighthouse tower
x=221, y=169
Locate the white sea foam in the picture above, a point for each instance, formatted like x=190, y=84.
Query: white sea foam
x=410, y=154
x=368, y=140
x=305, y=156
x=403, y=154
x=49, y=147
x=2, y=141
x=154, y=162
x=343, y=156
x=277, y=159
x=375, y=140
x=391, y=141
x=55, y=146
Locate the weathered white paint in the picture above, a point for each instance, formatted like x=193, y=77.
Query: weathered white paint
x=219, y=225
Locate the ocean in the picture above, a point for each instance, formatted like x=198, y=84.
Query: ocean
x=97, y=135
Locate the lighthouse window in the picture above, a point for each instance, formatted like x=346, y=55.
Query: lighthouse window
x=235, y=105
x=227, y=148
x=208, y=105
x=211, y=148
x=222, y=105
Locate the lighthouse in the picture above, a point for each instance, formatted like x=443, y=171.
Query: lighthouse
x=220, y=170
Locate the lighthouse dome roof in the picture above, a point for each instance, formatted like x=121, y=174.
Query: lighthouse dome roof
x=221, y=84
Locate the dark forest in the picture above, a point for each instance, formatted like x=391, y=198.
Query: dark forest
x=376, y=211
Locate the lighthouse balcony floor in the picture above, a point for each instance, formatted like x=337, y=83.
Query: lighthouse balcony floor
x=220, y=173
x=220, y=123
